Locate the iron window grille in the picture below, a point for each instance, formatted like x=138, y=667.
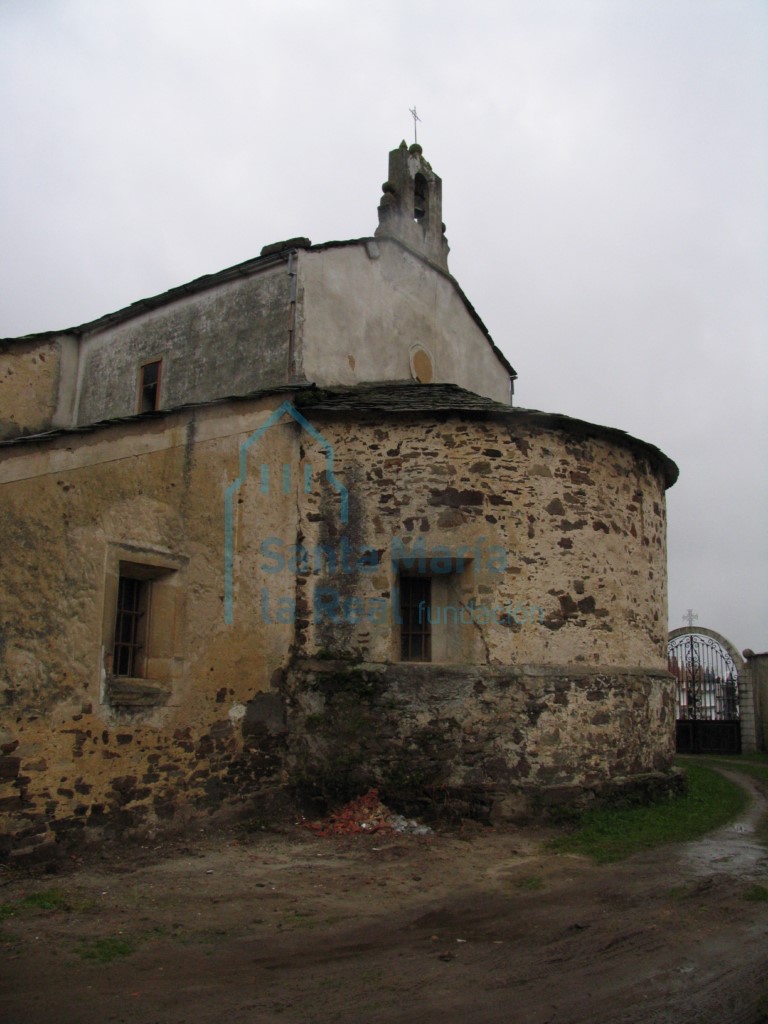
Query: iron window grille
x=130, y=627
x=415, y=625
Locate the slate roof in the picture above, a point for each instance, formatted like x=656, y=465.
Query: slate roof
x=402, y=399
x=410, y=398
x=396, y=397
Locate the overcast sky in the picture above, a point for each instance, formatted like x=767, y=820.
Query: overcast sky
x=604, y=165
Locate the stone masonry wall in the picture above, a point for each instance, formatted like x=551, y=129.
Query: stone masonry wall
x=569, y=701
x=29, y=379
x=553, y=681
x=546, y=519
x=467, y=741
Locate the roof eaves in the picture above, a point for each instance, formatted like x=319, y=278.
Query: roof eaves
x=398, y=398
x=245, y=269
x=199, y=284
x=88, y=428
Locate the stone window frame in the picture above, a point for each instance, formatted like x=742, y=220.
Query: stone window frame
x=165, y=598
x=452, y=642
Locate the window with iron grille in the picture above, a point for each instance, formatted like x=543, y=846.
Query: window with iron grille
x=415, y=627
x=130, y=627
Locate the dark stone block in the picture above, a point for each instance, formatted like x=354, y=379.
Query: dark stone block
x=455, y=498
x=566, y=524
x=221, y=730
x=43, y=854
x=32, y=830
x=553, y=796
x=164, y=809
x=264, y=713
x=62, y=825
x=9, y=767
x=124, y=784
x=214, y=791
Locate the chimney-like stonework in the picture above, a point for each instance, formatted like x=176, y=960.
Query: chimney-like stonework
x=411, y=209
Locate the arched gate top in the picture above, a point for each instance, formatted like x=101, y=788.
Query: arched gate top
x=713, y=635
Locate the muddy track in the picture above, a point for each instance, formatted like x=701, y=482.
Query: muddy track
x=480, y=929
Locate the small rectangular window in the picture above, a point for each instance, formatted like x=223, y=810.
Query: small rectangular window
x=130, y=627
x=142, y=627
x=149, y=386
x=415, y=626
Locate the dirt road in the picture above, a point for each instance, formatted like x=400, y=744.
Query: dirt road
x=479, y=928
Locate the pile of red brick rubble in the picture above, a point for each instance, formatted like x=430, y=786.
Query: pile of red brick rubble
x=365, y=815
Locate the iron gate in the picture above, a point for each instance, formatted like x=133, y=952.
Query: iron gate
x=707, y=695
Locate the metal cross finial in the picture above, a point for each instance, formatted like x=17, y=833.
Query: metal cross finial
x=415, y=116
x=690, y=617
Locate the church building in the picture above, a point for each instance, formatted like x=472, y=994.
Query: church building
x=279, y=535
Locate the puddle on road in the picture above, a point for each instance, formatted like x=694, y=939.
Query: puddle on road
x=734, y=849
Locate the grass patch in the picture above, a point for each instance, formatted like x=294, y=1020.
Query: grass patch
x=677, y=892
x=757, y=894
x=105, y=950
x=111, y=947
x=9, y=944
x=301, y=919
x=611, y=834
x=51, y=899
x=532, y=883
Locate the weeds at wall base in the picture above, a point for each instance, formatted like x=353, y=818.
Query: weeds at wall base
x=612, y=834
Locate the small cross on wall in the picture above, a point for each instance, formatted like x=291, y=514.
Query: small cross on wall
x=690, y=617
